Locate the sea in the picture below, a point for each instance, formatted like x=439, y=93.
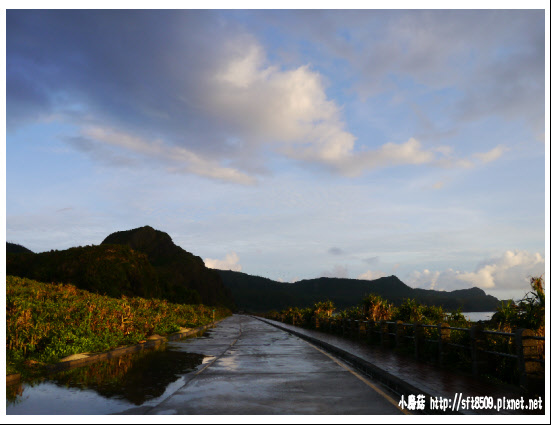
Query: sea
x=478, y=315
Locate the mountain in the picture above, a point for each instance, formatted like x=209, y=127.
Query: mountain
x=180, y=272
x=109, y=270
x=259, y=294
x=13, y=248
x=140, y=262
x=145, y=262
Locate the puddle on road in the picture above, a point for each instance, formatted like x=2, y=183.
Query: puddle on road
x=111, y=386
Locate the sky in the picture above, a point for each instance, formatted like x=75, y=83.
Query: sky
x=290, y=144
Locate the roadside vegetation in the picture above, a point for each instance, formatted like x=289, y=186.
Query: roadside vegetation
x=372, y=307
x=46, y=322
x=527, y=313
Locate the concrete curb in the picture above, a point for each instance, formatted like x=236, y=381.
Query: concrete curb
x=394, y=383
x=117, y=352
x=13, y=378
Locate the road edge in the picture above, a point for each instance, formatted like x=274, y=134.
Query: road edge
x=117, y=352
x=392, y=382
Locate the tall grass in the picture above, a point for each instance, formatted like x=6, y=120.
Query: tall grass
x=46, y=322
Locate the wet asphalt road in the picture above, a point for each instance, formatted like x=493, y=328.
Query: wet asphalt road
x=257, y=369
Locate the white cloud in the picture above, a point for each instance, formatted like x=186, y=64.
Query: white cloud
x=509, y=272
x=227, y=105
x=491, y=155
x=372, y=275
x=408, y=153
x=178, y=159
x=246, y=106
x=483, y=277
x=448, y=160
x=287, y=109
x=231, y=262
x=389, y=154
x=425, y=279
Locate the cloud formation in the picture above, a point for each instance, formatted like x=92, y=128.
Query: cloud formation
x=229, y=105
x=287, y=109
x=220, y=109
x=463, y=49
x=507, y=272
x=372, y=275
x=230, y=262
x=491, y=155
x=177, y=158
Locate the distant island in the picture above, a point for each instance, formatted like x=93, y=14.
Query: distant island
x=145, y=262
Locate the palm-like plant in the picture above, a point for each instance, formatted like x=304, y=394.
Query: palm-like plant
x=377, y=308
x=532, y=306
x=324, y=308
x=528, y=313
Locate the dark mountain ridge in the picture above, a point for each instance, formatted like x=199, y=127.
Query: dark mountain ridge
x=13, y=248
x=146, y=262
x=109, y=270
x=175, y=266
x=254, y=293
x=139, y=262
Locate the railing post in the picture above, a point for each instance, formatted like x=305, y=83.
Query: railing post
x=476, y=341
x=384, y=334
x=370, y=325
x=399, y=332
x=444, y=333
x=526, y=349
x=361, y=328
x=418, y=335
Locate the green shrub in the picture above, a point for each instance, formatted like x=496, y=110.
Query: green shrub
x=46, y=322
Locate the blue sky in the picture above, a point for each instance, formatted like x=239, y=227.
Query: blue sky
x=289, y=144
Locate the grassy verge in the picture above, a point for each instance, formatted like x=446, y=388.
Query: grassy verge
x=46, y=322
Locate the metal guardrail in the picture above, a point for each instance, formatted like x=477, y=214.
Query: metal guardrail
x=524, y=340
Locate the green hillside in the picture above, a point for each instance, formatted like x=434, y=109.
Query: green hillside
x=254, y=293
x=179, y=271
x=109, y=270
x=14, y=248
x=140, y=262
